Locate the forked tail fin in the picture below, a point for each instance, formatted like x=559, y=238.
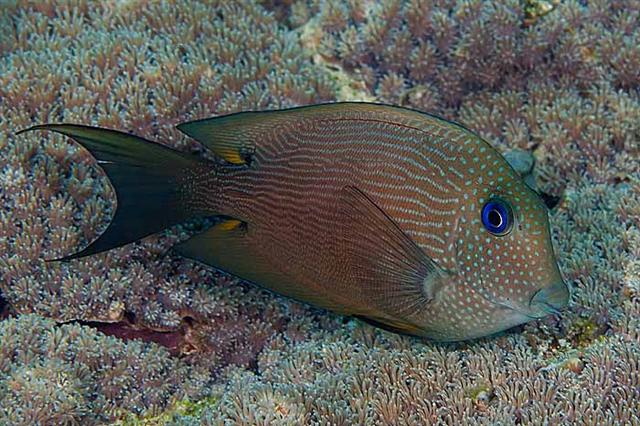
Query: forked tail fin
x=151, y=181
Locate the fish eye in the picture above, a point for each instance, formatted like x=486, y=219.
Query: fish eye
x=497, y=217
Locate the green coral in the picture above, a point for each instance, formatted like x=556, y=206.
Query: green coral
x=536, y=9
x=478, y=391
x=179, y=411
x=584, y=331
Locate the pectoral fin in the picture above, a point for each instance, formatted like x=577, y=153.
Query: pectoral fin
x=398, y=277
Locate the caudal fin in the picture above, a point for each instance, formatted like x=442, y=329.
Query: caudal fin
x=151, y=182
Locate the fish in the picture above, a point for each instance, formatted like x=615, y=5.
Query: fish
x=400, y=218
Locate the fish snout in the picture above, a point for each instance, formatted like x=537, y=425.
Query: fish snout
x=551, y=299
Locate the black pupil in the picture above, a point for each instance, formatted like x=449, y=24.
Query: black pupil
x=494, y=218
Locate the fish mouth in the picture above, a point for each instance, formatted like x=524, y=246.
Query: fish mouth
x=550, y=300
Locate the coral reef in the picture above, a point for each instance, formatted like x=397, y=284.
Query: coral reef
x=364, y=376
x=582, y=368
x=560, y=80
x=68, y=374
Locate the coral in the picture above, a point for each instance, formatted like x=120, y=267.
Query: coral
x=365, y=376
x=141, y=67
x=556, y=81
x=538, y=76
x=178, y=412
x=69, y=374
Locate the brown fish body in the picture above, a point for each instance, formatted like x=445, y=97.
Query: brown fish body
x=408, y=164
x=372, y=211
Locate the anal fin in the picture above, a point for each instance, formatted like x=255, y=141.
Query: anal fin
x=232, y=246
x=220, y=246
x=390, y=325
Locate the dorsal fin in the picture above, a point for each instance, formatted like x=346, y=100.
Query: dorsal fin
x=233, y=137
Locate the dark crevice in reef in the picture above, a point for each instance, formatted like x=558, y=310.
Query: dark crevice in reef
x=175, y=341
x=4, y=307
x=189, y=321
x=130, y=317
x=551, y=201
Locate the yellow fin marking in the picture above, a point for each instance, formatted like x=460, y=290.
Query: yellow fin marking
x=229, y=225
x=232, y=156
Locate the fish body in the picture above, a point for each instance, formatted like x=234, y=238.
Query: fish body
x=384, y=213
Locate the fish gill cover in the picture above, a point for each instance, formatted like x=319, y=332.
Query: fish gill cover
x=560, y=80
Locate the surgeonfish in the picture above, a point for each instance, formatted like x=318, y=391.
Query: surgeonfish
x=405, y=220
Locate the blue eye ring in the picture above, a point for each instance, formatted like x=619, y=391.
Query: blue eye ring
x=497, y=217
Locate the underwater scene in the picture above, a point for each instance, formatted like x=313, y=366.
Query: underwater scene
x=320, y=212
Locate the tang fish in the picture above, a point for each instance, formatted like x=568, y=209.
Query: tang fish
x=400, y=218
